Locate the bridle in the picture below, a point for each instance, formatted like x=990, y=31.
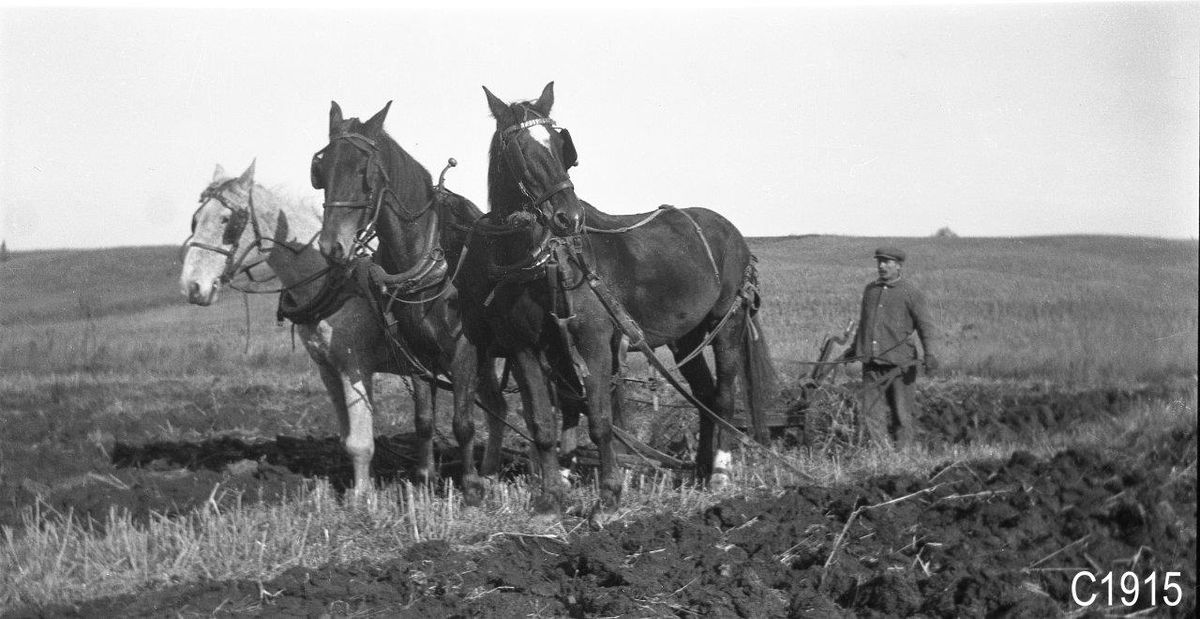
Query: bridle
x=238, y=219
x=544, y=250
x=533, y=202
x=375, y=195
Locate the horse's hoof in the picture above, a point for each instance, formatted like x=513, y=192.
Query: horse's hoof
x=547, y=505
x=602, y=519
x=603, y=514
x=473, y=492
x=424, y=476
x=364, y=495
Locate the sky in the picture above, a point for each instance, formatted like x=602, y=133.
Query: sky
x=992, y=119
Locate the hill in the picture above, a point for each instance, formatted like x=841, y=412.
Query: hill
x=1072, y=308
x=48, y=286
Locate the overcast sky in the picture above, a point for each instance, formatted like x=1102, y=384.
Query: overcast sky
x=992, y=119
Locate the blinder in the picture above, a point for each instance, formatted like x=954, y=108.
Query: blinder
x=514, y=157
x=236, y=225
x=570, y=156
x=314, y=171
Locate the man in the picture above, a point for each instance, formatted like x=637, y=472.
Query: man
x=892, y=310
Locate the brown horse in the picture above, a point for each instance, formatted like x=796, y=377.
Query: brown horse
x=374, y=188
x=241, y=225
x=564, y=283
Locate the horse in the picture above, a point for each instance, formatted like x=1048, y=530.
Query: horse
x=374, y=189
x=240, y=225
x=568, y=284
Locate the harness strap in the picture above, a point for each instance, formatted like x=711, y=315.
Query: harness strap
x=637, y=340
x=332, y=296
x=659, y=211
x=213, y=248
x=415, y=278
x=563, y=317
x=523, y=269
x=525, y=125
x=744, y=299
x=707, y=249
x=546, y=195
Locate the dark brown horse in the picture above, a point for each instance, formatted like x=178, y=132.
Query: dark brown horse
x=685, y=276
x=373, y=187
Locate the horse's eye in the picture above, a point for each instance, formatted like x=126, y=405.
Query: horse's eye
x=225, y=219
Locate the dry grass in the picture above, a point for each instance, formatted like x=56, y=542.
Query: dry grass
x=55, y=559
x=1079, y=310
x=1070, y=310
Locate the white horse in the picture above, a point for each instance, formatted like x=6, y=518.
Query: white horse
x=240, y=225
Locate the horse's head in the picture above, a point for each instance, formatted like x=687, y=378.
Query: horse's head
x=222, y=236
x=529, y=160
x=350, y=171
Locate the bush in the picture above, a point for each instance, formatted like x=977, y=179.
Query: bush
x=945, y=233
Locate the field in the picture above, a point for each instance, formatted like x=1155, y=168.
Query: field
x=161, y=459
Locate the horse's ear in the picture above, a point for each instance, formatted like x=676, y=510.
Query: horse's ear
x=219, y=173
x=335, y=115
x=546, y=101
x=247, y=177
x=499, y=108
x=375, y=124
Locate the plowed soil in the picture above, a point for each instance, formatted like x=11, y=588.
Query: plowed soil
x=991, y=538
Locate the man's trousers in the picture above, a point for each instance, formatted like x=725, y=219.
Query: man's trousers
x=888, y=402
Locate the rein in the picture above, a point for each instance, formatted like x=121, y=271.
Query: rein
x=324, y=303
x=637, y=340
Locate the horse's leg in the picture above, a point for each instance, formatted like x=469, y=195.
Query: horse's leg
x=465, y=381
x=358, y=434
x=343, y=376
x=423, y=426
x=572, y=408
x=596, y=347
x=337, y=394
x=543, y=429
x=497, y=411
x=700, y=379
x=727, y=353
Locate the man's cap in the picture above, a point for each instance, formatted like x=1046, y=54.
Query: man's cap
x=891, y=253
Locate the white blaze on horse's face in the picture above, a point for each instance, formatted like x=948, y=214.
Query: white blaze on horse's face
x=541, y=135
x=200, y=277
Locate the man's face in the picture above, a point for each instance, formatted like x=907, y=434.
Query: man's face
x=889, y=269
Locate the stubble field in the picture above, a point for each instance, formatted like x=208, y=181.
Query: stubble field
x=160, y=459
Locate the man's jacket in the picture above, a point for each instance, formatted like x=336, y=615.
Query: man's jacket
x=891, y=313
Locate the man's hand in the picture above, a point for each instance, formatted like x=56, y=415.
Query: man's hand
x=931, y=364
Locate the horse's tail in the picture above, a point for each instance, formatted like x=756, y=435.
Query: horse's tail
x=760, y=380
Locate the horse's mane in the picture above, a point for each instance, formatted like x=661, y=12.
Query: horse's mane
x=273, y=198
x=414, y=174
x=462, y=209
